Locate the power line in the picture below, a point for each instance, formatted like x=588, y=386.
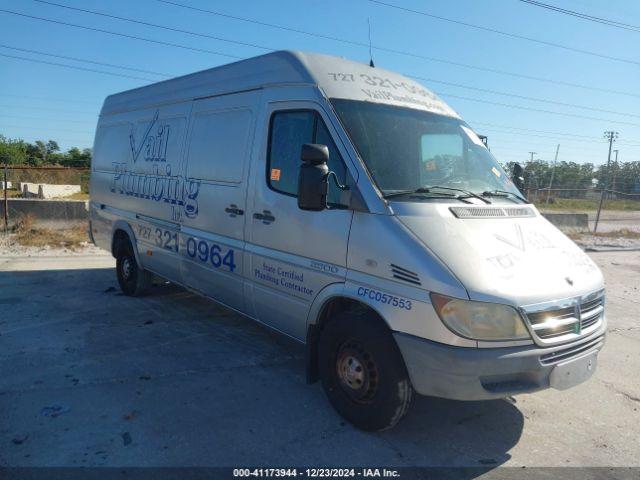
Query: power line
x=76, y=59
x=132, y=37
x=57, y=110
x=584, y=16
x=50, y=99
x=154, y=25
x=265, y=24
x=535, y=136
x=536, y=142
x=454, y=96
x=554, y=134
x=506, y=34
x=468, y=87
x=53, y=128
x=552, y=112
x=527, y=129
x=44, y=119
x=523, y=97
x=525, y=151
x=309, y=33
x=75, y=67
x=401, y=52
x=500, y=128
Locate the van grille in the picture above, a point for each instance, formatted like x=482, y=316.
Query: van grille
x=570, y=352
x=591, y=312
x=405, y=275
x=492, y=212
x=574, y=321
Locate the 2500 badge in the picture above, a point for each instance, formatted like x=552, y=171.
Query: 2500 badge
x=385, y=298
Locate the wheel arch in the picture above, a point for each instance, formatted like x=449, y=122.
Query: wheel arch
x=330, y=301
x=120, y=230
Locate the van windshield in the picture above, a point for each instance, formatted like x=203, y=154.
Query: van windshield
x=407, y=150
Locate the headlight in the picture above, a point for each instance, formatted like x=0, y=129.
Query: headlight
x=480, y=320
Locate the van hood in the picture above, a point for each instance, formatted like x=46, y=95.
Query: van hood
x=502, y=253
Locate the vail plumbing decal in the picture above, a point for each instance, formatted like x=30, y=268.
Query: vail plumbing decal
x=160, y=185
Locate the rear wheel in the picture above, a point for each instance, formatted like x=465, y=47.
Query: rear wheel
x=134, y=280
x=362, y=371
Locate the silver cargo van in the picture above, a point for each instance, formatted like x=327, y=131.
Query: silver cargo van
x=351, y=209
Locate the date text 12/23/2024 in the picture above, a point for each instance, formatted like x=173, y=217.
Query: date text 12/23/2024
x=316, y=472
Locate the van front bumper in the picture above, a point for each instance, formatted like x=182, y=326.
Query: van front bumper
x=462, y=373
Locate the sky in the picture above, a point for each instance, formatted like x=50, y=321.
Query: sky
x=518, y=113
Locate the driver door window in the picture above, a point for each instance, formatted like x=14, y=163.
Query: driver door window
x=289, y=131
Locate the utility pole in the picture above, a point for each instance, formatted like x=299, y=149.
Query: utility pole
x=537, y=186
x=615, y=170
x=6, y=202
x=553, y=171
x=611, y=136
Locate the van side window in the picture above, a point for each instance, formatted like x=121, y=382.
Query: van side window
x=289, y=131
x=218, y=145
x=112, y=146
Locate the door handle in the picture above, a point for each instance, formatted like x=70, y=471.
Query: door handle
x=233, y=210
x=265, y=216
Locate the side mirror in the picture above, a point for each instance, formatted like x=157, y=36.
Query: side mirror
x=313, y=181
x=517, y=176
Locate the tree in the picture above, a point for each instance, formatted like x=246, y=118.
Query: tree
x=52, y=146
x=77, y=158
x=46, y=149
x=19, y=152
x=12, y=152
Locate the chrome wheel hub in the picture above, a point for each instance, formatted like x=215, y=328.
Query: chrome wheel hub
x=357, y=372
x=351, y=372
x=127, y=268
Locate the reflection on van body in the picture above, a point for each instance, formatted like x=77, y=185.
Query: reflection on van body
x=415, y=265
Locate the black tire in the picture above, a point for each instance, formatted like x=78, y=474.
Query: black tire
x=362, y=371
x=134, y=281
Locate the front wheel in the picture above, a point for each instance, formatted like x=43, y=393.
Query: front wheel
x=134, y=280
x=362, y=371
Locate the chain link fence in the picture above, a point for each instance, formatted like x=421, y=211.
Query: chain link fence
x=46, y=196
x=607, y=211
x=33, y=177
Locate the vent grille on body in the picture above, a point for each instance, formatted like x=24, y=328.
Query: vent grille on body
x=405, y=275
x=492, y=212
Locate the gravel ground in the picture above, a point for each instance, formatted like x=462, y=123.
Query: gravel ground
x=93, y=378
x=10, y=248
x=591, y=242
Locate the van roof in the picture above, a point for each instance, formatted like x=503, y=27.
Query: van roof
x=336, y=77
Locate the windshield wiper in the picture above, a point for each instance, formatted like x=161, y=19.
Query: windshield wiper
x=466, y=193
x=426, y=191
x=503, y=193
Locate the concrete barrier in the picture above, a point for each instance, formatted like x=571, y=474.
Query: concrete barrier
x=575, y=221
x=47, y=190
x=49, y=212
x=29, y=190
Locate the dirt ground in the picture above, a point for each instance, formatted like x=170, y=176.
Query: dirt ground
x=94, y=378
